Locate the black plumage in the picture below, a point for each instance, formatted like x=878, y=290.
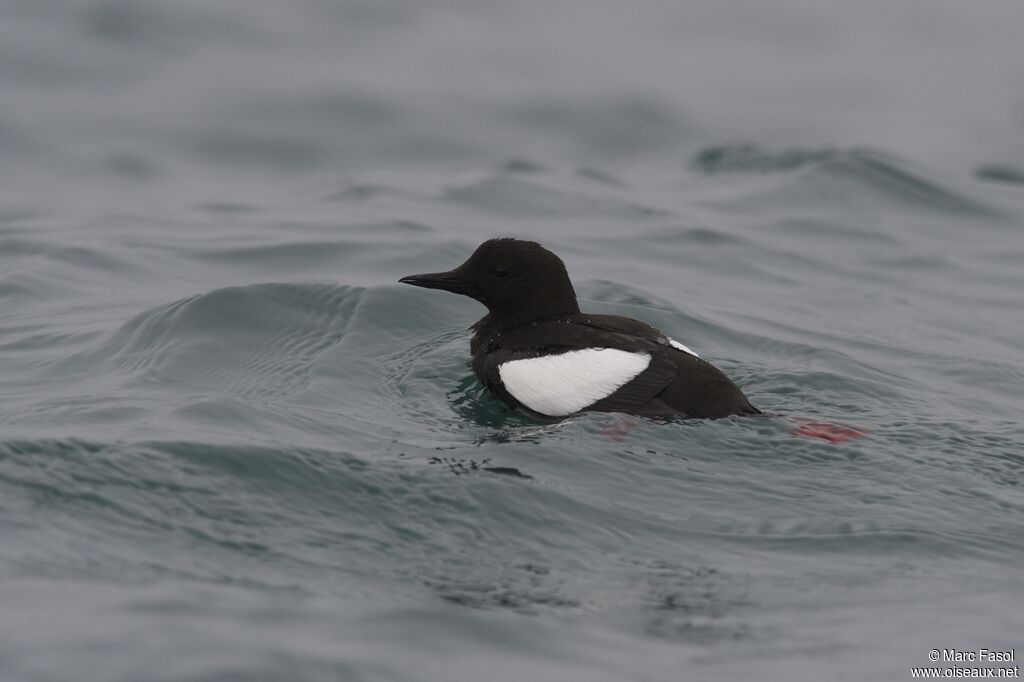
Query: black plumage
x=533, y=312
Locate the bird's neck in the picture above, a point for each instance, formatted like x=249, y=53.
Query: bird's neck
x=502, y=318
x=488, y=330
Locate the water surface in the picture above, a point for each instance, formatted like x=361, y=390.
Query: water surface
x=233, y=447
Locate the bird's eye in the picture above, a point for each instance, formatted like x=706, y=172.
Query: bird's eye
x=501, y=273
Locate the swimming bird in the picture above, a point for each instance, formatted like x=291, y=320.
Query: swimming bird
x=537, y=352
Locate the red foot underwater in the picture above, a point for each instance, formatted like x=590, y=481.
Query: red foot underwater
x=833, y=433
x=808, y=428
x=618, y=429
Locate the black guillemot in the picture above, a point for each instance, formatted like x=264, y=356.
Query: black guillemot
x=536, y=351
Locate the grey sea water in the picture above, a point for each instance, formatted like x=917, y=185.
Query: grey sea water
x=232, y=447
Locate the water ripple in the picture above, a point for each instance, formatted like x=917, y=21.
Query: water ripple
x=256, y=342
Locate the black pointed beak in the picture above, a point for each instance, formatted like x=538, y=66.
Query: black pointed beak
x=446, y=281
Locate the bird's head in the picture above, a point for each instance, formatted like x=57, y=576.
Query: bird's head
x=517, y=280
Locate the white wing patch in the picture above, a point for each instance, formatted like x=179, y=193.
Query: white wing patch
x=559, y=385
x=676, y=344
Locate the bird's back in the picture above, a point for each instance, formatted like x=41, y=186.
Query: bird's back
x=674, y=383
